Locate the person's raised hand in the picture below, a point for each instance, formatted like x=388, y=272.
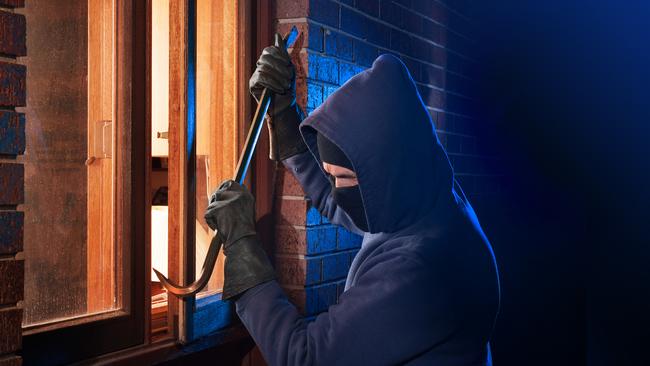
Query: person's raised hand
x=276, y=72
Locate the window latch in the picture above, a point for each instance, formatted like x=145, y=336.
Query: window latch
x=102, y=142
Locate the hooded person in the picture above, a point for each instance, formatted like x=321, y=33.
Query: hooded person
x=424, y=288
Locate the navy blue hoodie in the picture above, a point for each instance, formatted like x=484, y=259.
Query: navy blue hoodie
x=424, y=287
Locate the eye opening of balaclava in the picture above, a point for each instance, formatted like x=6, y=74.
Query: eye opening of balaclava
x=348, y=198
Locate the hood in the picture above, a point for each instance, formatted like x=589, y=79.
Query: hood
x=379, y=121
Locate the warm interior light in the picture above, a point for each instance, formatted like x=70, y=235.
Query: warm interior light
x=159, y=217
x=160, y=79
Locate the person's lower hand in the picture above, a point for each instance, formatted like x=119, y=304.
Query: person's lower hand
x=231, y=213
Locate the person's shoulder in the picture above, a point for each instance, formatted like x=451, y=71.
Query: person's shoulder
x=409, y=252
x=427, y=250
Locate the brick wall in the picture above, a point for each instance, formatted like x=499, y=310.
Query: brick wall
x=342, y=38
x=12, y=146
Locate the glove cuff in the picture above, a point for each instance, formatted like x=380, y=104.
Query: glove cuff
x=246, y=266
x=284, y=134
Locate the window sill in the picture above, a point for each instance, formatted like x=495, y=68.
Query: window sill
x=230, y=343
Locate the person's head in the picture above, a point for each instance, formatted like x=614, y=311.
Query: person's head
x=386, y=163
x=345, y=185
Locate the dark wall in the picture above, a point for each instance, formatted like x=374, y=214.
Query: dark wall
x=564, y=92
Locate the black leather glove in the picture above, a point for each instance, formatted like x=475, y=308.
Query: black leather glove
x=276, y=72
x=232, y=213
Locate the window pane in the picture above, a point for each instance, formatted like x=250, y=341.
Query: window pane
x=69, y=166
x=217, y=132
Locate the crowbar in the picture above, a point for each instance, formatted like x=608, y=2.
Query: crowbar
x=240, y=175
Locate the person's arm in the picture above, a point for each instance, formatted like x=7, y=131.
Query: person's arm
x=388, y=317
x=275, y=72
x=305, y=168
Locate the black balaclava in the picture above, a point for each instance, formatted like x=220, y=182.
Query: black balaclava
x=348, y=198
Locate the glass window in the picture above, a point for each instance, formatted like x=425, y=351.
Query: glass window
x=70, y=175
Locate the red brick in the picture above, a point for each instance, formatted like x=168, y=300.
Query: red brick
x=294, y=270
x=11, y=235
x=291, y=9
x=297, y=297
x=290, y=240
x=12, y=274
x=11, y=334
x=291, y=270
x=303, y=30
x=299, y=60
x=12, y=178
x=11, y=361
x=12, y=34
x=291, y=211
x=13, y=3
x=301, y=93
x=288, y=185
x=12, y=80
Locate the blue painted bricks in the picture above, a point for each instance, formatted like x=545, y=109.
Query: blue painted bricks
x=347, y=240
x=348, y=71
x=338, y=45
x=319, y=298
x=323, y=68
x=321, y=239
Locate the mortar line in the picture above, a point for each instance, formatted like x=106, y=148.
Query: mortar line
x=301, y=20
x=380, y=21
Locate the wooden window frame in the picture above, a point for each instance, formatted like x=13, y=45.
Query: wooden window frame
x=125, y=338
x=94, y=335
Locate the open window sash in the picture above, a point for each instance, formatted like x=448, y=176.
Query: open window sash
x=208, y=106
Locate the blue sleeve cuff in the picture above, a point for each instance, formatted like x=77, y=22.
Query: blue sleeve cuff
x=257, y=293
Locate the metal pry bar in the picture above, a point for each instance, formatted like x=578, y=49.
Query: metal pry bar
x=240, y=175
